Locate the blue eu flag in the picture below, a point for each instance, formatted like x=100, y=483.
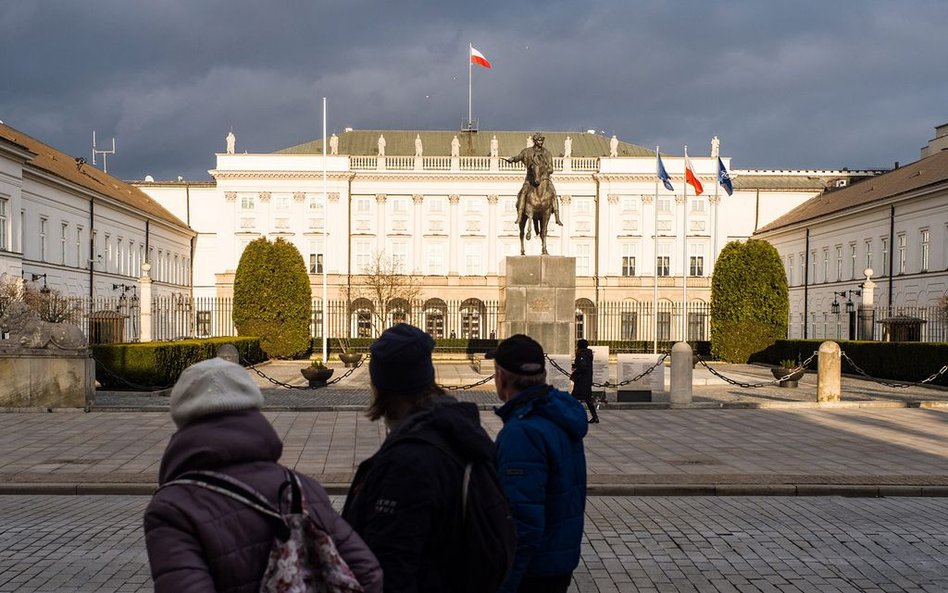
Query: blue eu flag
x=663, y=174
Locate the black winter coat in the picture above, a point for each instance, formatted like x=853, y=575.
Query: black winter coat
x=582, y=375
x=405, y=500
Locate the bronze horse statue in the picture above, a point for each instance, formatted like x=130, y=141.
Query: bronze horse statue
x=539, y=202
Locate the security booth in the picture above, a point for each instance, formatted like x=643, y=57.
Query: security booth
x=107, y=327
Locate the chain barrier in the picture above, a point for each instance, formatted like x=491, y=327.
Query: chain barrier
x=101, y=365
x=306, y=387
x=790, y=373
x=859, y=370
x=621, y=383
x=468, y=386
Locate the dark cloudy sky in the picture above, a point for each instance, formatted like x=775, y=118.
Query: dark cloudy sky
x=792, y=84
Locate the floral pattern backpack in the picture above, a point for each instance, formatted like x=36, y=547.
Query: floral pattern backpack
x=303, y=558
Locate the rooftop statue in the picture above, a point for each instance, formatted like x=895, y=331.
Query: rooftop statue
x=537, y=199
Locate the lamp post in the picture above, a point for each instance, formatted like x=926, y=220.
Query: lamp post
x=850, y=308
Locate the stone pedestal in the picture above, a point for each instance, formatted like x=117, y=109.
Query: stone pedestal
x=46, y=380
x=538, y=298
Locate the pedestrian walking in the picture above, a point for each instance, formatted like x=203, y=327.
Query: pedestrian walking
x=407, y=501
x=542, y=466
x=203, y=539
x=582, y=378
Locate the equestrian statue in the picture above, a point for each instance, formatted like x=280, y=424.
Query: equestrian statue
x=537, y=199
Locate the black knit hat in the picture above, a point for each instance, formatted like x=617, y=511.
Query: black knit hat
x=519, y=354
x=401, y=360
x=582, y=344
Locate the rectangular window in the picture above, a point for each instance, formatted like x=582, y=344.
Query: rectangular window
x=630, y=204
x=583, y=206
x=63, y=237
x=663, y=260
x=839, y=263
x=473, y=205
x=400, y=257
x=697, y=322
x=203, y=322
x=119, y=253
x=813, y=267
x=664, y=205
x=79, y=247
x=399, y=206
x=868, y=253
x=315, y=263
x=790, y=270
x=696, y=265
x=583, y=260
x=43, y=222
x=885, y=256
x=4, y=233
x=924, y=254
x=802, y=267
x=697, y=205
x=282, y=202
x=436, y=205
x=435, y=260
x=472, y=260
x=629, y=251
x=363, y=253
x=852, y=261
x=246, y=202
x=826, y=263
x=902, y=245
x=363, y=205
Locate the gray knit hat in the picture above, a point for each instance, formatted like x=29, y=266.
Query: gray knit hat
x=210, y=387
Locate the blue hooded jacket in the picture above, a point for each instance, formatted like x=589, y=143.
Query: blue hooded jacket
x=542, y=466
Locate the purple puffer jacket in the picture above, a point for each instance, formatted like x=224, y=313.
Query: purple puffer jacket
x=199, y=540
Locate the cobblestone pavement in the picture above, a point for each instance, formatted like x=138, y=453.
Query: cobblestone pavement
x=656, y=545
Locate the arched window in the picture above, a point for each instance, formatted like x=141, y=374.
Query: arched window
x=436, y=312
x=473, y=317
x=398, y=311
x=586, y=320
x=360, y=315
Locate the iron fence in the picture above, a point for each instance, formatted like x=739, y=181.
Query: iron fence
x=928, y=324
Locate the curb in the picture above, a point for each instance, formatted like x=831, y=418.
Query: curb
x=677, y=490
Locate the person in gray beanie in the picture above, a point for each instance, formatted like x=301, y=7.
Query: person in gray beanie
x=405, y=500
x=200, y=539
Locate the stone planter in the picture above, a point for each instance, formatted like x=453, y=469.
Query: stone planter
x=350, y=359
x=316, y=376
x=791, y=381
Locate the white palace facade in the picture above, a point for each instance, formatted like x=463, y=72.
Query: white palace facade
x=441, y=205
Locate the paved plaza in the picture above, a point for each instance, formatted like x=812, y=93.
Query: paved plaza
x=631, y=544
x=732, y=494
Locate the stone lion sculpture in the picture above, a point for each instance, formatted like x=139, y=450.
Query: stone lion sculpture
x=27, y=330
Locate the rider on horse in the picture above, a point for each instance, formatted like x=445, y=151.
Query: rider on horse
x=539, y=164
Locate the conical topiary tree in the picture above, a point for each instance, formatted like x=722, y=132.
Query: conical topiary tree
x=272, y=298
x=749, y=300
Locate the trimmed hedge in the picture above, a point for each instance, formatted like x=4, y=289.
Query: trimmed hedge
x=749, y=300
x=158, y=364
x=897, y=361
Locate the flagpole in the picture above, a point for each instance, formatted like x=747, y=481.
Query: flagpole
x=684, y=255
x=470, y=64
x=324, y=249
x=655, y=260
x=714, y=214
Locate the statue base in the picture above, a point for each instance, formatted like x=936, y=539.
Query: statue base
x=46, y=381
x=538, y=298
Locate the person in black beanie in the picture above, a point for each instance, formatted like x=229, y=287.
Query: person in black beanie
x=582, y=378
x=405, y=501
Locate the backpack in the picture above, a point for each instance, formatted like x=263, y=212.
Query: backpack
x=488, y=531
x=303, y=558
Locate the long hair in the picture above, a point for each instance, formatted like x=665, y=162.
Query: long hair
x=381, y=403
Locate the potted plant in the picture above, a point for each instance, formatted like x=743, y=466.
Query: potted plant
x=349, y=359
x=316, y=373
x=791, y=369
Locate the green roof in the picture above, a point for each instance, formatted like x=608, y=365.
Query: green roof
x=438, y=143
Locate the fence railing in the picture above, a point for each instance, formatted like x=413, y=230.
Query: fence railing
x=931, y=324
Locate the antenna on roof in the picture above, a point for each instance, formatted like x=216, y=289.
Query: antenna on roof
x=104, y=153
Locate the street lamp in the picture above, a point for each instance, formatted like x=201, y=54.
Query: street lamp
x=846, y=294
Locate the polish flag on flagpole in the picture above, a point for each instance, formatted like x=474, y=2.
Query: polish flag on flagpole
x=478, y=58
x=690, y=176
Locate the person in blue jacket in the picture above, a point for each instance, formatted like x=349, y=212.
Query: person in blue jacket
x=542, y=467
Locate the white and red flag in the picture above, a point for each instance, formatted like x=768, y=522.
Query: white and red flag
x=691, y=178
x=478, y=58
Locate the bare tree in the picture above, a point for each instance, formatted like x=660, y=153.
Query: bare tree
x=384, y=283
x=48, y=303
